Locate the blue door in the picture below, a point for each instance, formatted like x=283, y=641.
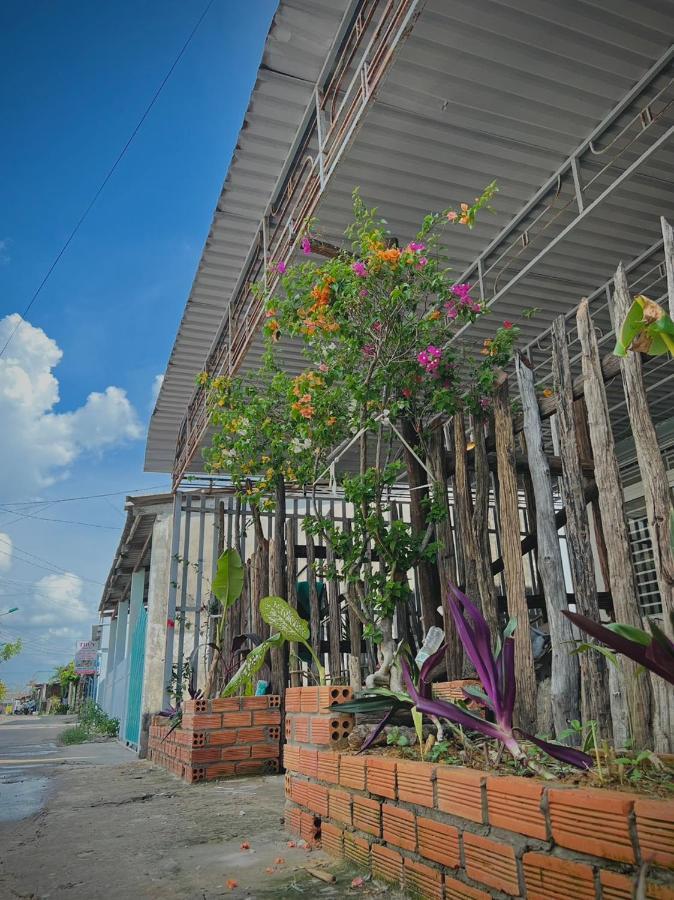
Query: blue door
x=136, y=670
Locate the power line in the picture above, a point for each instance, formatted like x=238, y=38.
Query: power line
x=153, y=487
x=107, y=178
x=59, y=570
x=62, y=521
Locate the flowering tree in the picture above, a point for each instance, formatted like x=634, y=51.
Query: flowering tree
x=377, y=324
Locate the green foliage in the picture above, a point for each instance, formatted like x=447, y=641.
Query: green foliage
x=646, y=329
x=397, y=738
x=75, y=734
x=228, y=582
x=243, y=681
x=10, y=649
x=278, y=614
x=66, y=675
x=96, y=721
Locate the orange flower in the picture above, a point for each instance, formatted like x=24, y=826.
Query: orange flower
x=547, y=392
x=435, y=315
x=331, y=420
x=464, y=207
x=390, y=256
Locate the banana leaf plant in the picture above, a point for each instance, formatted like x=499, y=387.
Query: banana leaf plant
x=646, y=329
x=653, y=651
x=227, y=587
x=496, y=672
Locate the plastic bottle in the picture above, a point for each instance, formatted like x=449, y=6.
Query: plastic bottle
x=432, y=642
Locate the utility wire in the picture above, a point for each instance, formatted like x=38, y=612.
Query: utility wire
x=55, y=570
x=24, y=515
x=107, y=178
x=152, y=487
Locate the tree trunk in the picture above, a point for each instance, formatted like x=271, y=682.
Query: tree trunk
x=278, y=583
x=426, y=571
x=436, y=459
x=525, y=675
x=565, y=677
x=593, y=672
x=291, y=541
x=587, y=458
x=621, y=570
x=463, y=504
x=480, y=523
x=658, y=503
x=334, y=621
x=355, y=638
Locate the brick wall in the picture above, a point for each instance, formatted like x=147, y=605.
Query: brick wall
x=452, y=833
x=220, y=738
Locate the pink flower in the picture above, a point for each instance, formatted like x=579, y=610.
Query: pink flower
x=422, y=262
x=415, y=247
x=305, y=244
x=433, y=351
x=475, y=307
x=281, y=267
x=452, y=216
x=451, y=310
x=377, y=327
x=407, y=393
x=507, y=324
x=423, y=358
x=363, y=293
x=369, y=350
x=485, y=402
x=462, y=291
x=323, y=367
x=360, y=269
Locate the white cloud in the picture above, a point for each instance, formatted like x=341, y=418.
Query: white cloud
x=5, y=552
x=5, y=258
x=58, y=604
x=40, y=444
x=156, y=387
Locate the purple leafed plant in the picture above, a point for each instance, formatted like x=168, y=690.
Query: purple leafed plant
x=652, y=651
x=496, y=673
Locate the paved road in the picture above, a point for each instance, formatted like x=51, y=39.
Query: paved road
x=93, y=821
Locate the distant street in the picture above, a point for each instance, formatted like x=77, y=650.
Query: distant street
x=93, y=821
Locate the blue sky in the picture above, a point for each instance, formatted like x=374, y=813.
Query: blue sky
x=76, y=77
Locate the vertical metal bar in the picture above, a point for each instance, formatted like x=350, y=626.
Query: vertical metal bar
x=320, y=135
x=200, y=573
x=172, y=592
x=480, y=278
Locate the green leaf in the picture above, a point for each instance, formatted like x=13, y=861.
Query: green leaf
x=584, y=647
x=280, y=615
x=228, y=582
x=630, y=328
x=631, y=633
x=243, y=678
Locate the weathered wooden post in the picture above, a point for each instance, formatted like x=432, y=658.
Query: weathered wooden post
x=314, y=610
x=565, y=676
x=291, y=542
x=607, y=474
x=525, y=674
x=480, y=524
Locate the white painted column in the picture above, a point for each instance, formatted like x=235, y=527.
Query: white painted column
x=106, y=701
x=121, y=662
x=157, y=609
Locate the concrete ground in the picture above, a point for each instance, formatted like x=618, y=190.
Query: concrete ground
x=93, y=821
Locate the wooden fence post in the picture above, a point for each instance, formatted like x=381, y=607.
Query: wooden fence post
x=314, y=610
x=291, y=542
x=668, y=244
x=594, y=677
x=607, y=475
x=480, y=524
x=565, y=678
x=463, y=504
x=436, y=458
x=657, y=497
x=525, y=675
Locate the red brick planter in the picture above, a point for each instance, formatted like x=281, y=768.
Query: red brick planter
x=220, y=738
x=449, y=832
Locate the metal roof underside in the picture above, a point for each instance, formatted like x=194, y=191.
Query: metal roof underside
x=506, y=91
x=299, y=39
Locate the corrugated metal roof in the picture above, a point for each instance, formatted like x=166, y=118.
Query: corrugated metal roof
x=505, y=90
x=298, y=43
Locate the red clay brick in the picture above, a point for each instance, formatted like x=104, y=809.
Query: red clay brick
x=226, y=704
x=655, y=830
x=317, y=799
x=352, y=772
x=439, y=842
x=310, y=827
x=387, y=865
x=457, y=890
x=300, y=729
x=328, y=766
x=367, y=815
x=255, y=702
x=331, y=694
x=415, y=782
x=264, y=751
x=592, y=821
x=460, y=792
x=339, y=803
x=220, y=770
x=309, y=699
x=192, y=707
x=659, y=891
x=291, y=758
x=332, y=839
x=204, y=754
x=221, y=737
x=357, y=849
x=257, y=767
x=309, y=762
x=237, y=719
x=330, y=729
x=236, y=752
x=551, y=878
x=202, y=720
x=399, y=826
x=515, y=804
x=422, y=881
x=490, y=862
x=255, y=735
x=298, y=790
x=381, y=776
x=292, y=819
x=615, y=886
x=291, y=699
x=266, y=717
